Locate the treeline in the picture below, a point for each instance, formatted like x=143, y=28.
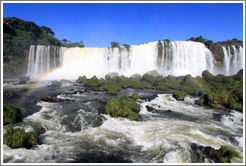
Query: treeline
x=209, y=43
x=215, y=47
x=18, y=35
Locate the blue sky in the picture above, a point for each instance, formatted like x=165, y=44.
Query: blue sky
x=133, y=23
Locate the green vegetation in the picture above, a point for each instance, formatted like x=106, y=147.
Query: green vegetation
x=18, y=138
x=179, y=95
x=114, y=44
x=127, y=47
x=112, y=88
x=124, y=107
x=228, y=154
x=12, y=114
x=222, y=90
x=70, y=44
x=81, y=79
x=214, y=91
x=135, y=96
x=93, y=82
x=16, y=42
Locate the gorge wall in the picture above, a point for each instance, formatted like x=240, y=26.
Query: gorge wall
x=166, y=57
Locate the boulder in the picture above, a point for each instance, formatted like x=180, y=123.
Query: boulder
x=217, y=117
x=223, y=155
x=153, y=73
x=150, y=108
x=136, y=77
x=10, y=94
x=51, y=99
x=54, y=84
x=113, y=74
x=102, y=110
x=103, y=100
x=23, y=80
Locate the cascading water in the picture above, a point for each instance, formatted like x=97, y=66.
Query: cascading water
x=40, y=59
x=186, y=58
x=233, y=59
x=172, y=58
x=100, y=61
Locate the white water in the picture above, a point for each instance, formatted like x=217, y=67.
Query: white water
x=100, y=61
x=179, y=58
x=188, y=58
x=42, y=60
x=233, y=61
x=158, y=138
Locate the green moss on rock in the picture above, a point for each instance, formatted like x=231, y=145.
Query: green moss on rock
x=135, y=96
x=18, y=138
x=124, y=107
x=12, y=114
x=179, y=95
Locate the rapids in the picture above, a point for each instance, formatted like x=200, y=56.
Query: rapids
x=73, y=131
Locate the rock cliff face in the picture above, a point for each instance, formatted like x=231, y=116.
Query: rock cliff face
x=166, y=57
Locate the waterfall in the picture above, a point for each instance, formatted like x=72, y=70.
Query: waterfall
x=92, y=61
x=233, y=60
x=166, y=57
x=186, y=58
x=31, y=60
x=39, y=61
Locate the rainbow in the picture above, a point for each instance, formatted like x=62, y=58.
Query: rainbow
x=33, y=87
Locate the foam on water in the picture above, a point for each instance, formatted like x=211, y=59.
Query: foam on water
x=155, y=139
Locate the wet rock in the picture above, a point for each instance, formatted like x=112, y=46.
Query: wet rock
x=78, y=92
x=55, y=84
x=103, y=100
x=169, y=111
x=24, y=90
x=137, y=109
x=51, y=99
x=207, y=152
x=150, y=108
x=148, y=98
x=10, y=94
x=102, y=110
x=23, y=80
x=224, y=154
x=217, y=117
x=153, y=73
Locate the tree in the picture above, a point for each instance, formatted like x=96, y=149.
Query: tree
x=114, y=44
x=209, y=43
x=200, y=39
x=82, y=43
x=64, y=40
x=127, y=46
x=47, y=30
x=191, y=39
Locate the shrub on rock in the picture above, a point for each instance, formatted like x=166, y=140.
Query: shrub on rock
x=124, y=107
x=93, y=82
x=112, y=88
x=18, y=138
x=135, y=96
x=12, y=114
x=179, y=95
x=206, y=75
x=81, y=79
